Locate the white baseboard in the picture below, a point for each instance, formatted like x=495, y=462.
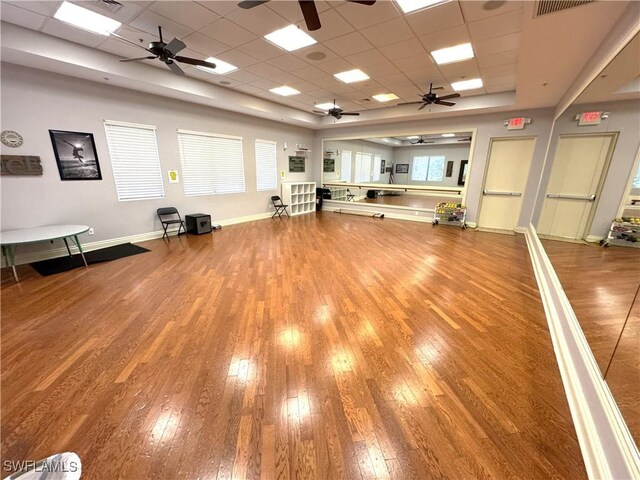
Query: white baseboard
x=608, y=449
x=594, y=238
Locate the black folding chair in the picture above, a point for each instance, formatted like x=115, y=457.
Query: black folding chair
x=279, y=206
x=166, y=222
x=350, y=196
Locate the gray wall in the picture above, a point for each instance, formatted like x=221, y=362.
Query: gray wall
x=624, y=118
x=34, y=101
x=488, y=126
x=455, y=153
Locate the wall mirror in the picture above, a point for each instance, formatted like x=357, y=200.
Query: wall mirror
x=413, y=171
x=588, y=219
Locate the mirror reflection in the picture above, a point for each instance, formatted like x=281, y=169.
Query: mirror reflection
x=414, y=171
x=589, y=221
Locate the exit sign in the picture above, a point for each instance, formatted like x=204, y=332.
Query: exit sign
x=516, y=123
x=590, y=118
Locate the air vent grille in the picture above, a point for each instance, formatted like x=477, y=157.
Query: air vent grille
x=545, y=7
x=111, y=5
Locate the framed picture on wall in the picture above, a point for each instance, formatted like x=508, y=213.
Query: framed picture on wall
x=382, y=163
x=75, y=155
x=449, y=168
x=402, y=168
x=462, y=176
x=329, y=165
x=296, y=164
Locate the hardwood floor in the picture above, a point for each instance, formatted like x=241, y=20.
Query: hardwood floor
x=601, y=284
x=320, y=346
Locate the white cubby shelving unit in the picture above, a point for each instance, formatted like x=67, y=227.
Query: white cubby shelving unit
x=338, y=193
x=300, y=196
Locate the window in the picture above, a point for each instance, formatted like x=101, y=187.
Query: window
x=266, y=166
x=430, y=169
x=377, y=162
x=134, y=158
x=211, y=164
x=345, y=168
x=363, y=167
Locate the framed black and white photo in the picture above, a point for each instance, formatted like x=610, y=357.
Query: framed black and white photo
x=382, y=164
x=449, y=168
x=462, y=175
x=402, y=168
x=296, y=164
x=329, y=165
x=75, y=155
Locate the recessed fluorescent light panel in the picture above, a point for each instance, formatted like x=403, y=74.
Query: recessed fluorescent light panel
x=326, y=106
x=467, y=84
x=458, y=53
x=385, y=97
x=290, y=38
x=412, y=137
x=352, y=76
x=448, y=135
x=284, y=91
x=86, y=19
x=409, y=6
x=221, y=67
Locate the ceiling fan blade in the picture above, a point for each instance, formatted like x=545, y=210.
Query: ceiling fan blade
x=363, y=2
x=447, y=97
x=350, y=113
x=310, y=14
x=150, y=57
x=422, y=106
x=448, y=104
x=194, y=61
x=247, y=4
x=175, y=45
x=409, y=103
x=174, y=67
x=126, y=40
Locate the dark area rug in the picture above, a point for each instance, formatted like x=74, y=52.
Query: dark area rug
x=64, y=264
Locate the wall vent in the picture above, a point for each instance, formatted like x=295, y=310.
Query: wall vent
x=111, y=5
x=545, y=7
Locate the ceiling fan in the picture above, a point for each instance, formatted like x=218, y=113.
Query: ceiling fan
x=422, y=140
x=166, y=52
x=308, y=7
x=336, y=112
x=433, y=98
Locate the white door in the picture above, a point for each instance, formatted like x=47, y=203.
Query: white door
x=504, y=183
x=574, y=184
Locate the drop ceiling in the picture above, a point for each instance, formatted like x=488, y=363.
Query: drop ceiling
x=391, y=47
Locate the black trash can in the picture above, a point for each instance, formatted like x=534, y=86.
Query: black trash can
x=319, y=199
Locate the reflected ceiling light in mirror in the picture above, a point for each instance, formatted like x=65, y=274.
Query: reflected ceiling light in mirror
x=467, y=84
x=413, y=137
x=326, y=106
x=352, y=76
x=457, y=53
x=86, y=19
x=297, y=409
x=285, y=91
x=409, y=6
x=290, y=38
x=341, y=362
x=385, y=97
x=166, y=425
x=240, y=368
x=448, y=135
x=222, y=67
x=290, y=337
x=404, y=395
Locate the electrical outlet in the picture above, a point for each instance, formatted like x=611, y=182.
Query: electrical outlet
x=91, y=232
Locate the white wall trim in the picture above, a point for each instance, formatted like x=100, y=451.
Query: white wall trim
x=594, y=238
x=39, y=255
x=608, y=449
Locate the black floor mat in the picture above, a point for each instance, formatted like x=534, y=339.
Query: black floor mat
x=64, y=264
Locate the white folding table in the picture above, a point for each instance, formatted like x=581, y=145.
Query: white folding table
x=10, y=239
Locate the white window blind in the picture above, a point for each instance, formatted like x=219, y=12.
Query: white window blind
x=345, y=168
x=135, y=160
x=363, y=167
x=377, y=162
x=419, y=169
x=430, y=169
x=436, y=169
x=266, y=165
x=211, y=164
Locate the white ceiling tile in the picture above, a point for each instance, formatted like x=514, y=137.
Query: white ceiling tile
x=269, y=72
x=381, y=69
x=237, y=58
x=243, y=76
x=403, y=49
x=333, y=25
x=335, y=66
x=496, y=59
x=434, y=19
x=301, y=85
x=445, y=38
x=265, y=84
x=121, y=49
x=261, y=49
x=289, y=10
x=212, y=77
x=474, y=10
x=205, y=45
x=317, y=48
x=310, y=73
x=500, y=71
x=124, y=14
x=63, y=30
x=136, y=36
x=288, y=62
x=47, y=8
x=395, y=81
x=501, y=87
x=149, y=21
x=362, y=16
x=510, y=22
x=497, y=44
x=457, y=71
x=259, y=20
x=189, y=14
x=420, y=62
x=505, y=79
x=423, y=79
x=228, y=32
x=24, y=18
x=349, y=44
x=221, y=7
x=389, y=32
x=364, y=59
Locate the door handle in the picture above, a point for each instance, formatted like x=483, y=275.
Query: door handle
x=588, y=198
x=501, y=194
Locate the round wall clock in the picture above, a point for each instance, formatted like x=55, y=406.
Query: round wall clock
x=11, y=138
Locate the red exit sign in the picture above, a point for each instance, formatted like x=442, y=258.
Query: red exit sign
x=590, y=118
x=516, y=123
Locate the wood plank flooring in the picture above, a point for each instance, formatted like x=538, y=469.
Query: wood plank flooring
x=600, y=284
x=321, y=346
